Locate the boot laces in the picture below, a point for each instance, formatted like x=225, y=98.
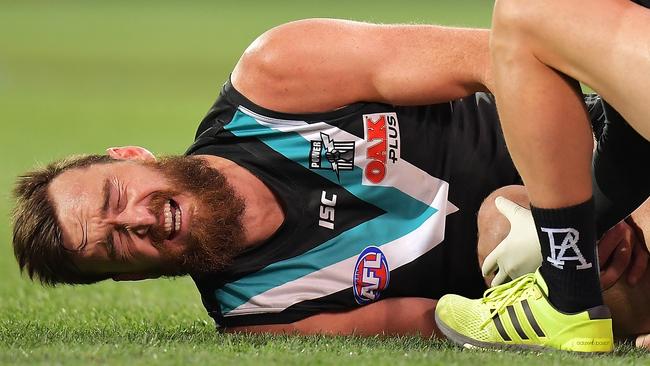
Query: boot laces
x=506, y=294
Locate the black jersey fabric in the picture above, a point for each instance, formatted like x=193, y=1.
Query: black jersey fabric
x=380, y=201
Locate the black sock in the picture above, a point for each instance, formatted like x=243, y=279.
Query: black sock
x=569, y=261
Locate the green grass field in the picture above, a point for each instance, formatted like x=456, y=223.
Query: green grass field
x=81, y=76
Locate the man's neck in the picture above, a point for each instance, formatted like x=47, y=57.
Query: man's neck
x=263, y=213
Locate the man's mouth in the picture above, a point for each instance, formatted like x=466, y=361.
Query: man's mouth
x=172, y=215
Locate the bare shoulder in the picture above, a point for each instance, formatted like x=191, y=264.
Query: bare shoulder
x=297, y=67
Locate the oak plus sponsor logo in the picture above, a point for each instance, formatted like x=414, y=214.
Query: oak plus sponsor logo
x=333, y=155
x=382, y=136
x=371, y=275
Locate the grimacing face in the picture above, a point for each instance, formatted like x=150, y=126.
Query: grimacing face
x=135, y=219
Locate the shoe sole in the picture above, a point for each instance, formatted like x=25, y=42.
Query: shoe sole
x=469, y=343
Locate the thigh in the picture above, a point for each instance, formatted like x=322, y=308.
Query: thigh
x=604, y=43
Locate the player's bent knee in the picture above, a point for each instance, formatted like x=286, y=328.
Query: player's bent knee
x=493, y=227
x=510, y=15
x=509, y=38
x=516, y=22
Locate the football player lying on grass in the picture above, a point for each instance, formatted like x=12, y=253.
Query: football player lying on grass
x=332, y=187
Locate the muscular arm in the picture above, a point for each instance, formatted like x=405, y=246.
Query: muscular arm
x=319, y=65
x=395, y=316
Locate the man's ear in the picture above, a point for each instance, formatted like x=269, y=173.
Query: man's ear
x=133, y=277
x=130, y=153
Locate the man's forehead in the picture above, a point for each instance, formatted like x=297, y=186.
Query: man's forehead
x=78, y=191
x=80, y=181
x=75, y=193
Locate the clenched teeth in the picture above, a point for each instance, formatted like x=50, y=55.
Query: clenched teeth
x=177, y=223
x=169, y=222
x=168, y=218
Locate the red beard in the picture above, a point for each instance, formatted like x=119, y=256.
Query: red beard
x=216, y=233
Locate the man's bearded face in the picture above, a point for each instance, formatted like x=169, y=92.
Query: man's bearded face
x=145, y=219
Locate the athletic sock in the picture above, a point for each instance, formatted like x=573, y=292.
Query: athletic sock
x=570, y=264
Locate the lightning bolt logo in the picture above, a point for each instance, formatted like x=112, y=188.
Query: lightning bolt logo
x=332, y=153
x=338, y=154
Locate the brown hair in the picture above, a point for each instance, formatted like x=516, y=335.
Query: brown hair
x=38, y=241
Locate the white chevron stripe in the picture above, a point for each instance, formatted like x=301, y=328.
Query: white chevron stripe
x=420, y=185
x=338, y=276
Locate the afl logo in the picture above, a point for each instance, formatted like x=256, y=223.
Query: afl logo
x=371, y=275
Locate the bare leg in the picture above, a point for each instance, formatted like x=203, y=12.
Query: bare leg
x=549, y=137
x=543, y=117
x=544, y=120
x=605, y=44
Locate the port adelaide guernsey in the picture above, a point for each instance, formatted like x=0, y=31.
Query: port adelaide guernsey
x=380, y=201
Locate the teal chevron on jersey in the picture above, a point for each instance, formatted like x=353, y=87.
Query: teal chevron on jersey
x=403, y=214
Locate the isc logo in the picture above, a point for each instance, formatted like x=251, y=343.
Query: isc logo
x=326, y=211
x=371, y=275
